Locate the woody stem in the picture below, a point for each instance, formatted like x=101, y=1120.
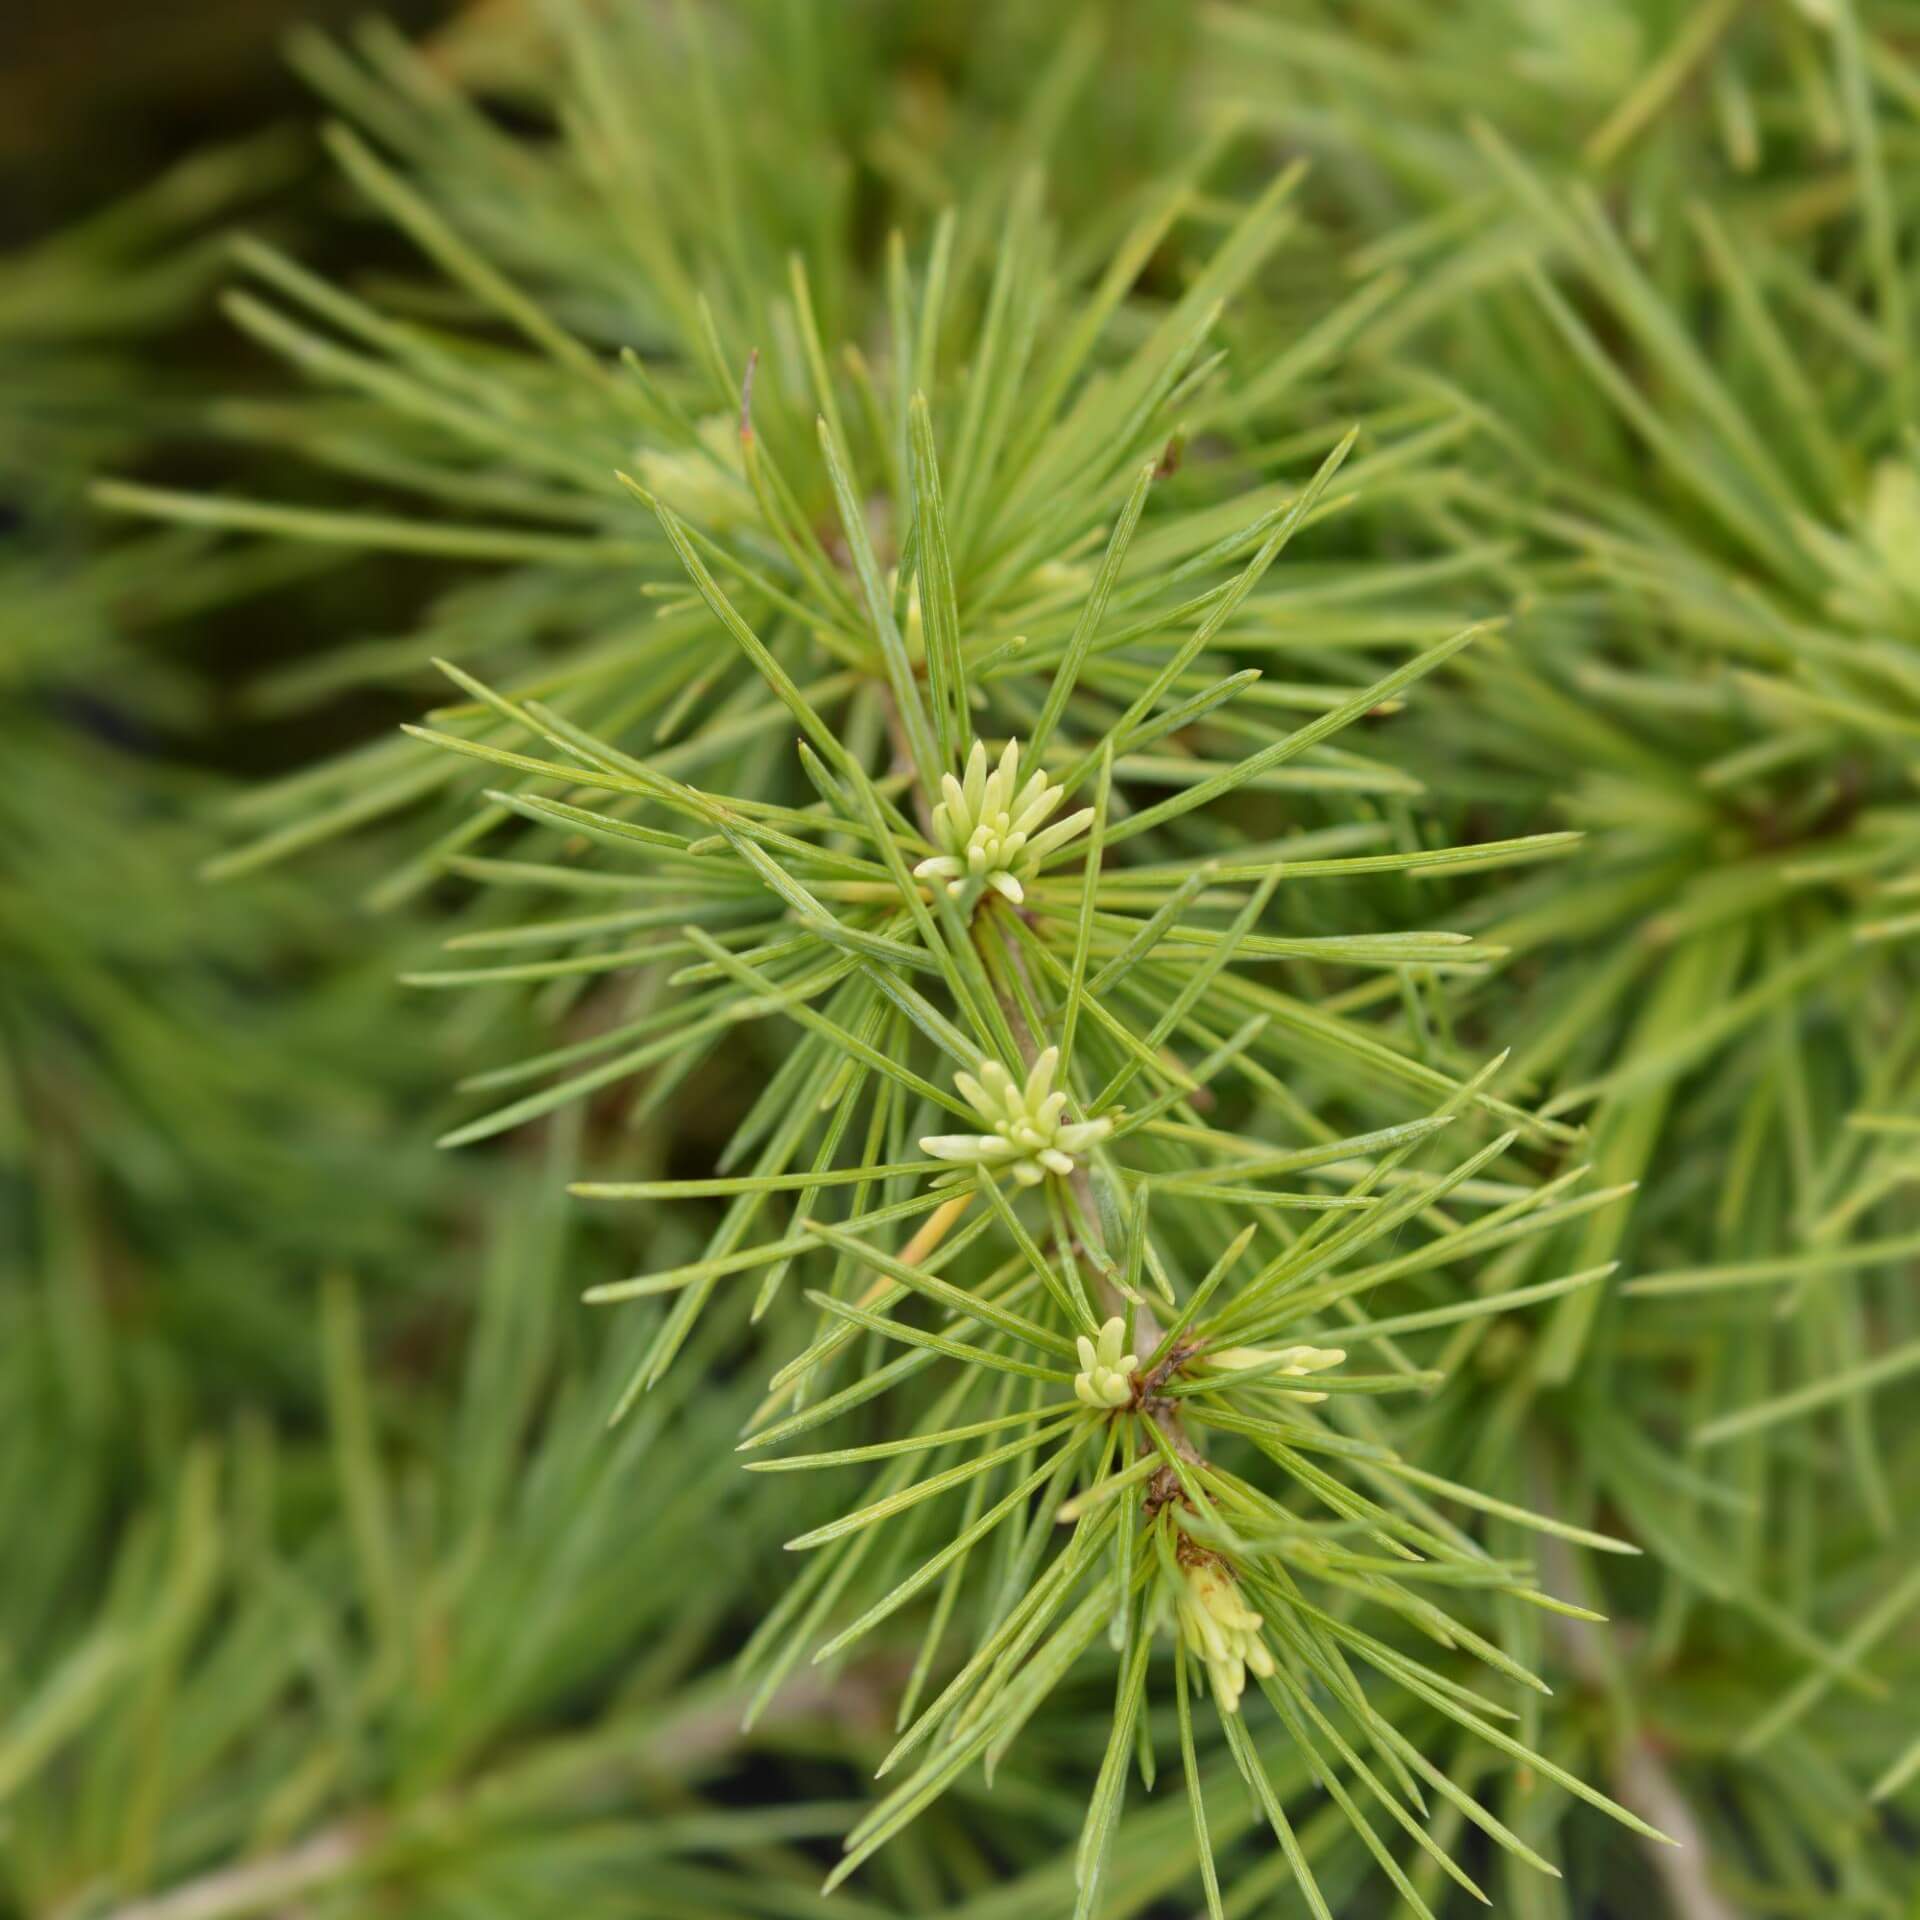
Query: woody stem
x=1147, y=1330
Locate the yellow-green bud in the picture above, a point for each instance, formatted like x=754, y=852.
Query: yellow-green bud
x=1105, y=1378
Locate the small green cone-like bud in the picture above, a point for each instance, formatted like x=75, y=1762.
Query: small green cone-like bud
x=1105, y=1378
x=991, y=830
x=1221, y=1629
x=1029, y=1137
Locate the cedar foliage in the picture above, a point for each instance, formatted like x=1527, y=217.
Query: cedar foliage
x=1172, y=755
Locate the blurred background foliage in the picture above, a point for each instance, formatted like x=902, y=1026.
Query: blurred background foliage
x=327, y=1591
